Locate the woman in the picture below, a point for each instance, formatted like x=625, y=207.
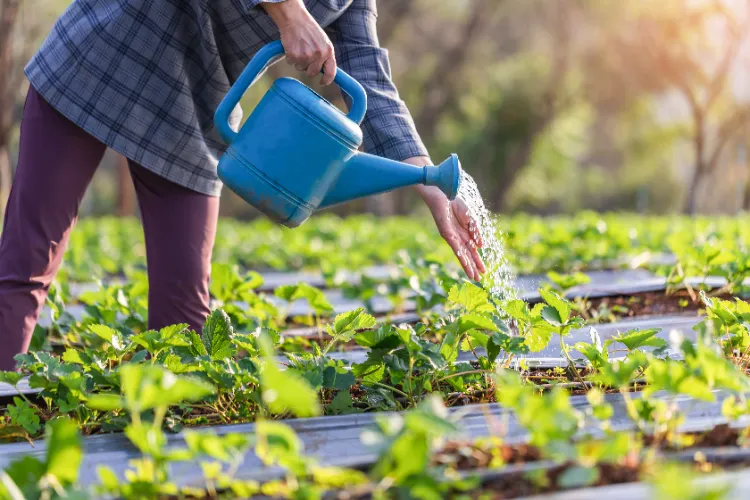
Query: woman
x=144, y=78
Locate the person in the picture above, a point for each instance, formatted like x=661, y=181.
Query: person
x=144, y=78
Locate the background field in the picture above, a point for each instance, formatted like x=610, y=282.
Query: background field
x=553, y=106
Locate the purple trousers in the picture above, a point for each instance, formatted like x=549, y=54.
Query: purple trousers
x=57, y=160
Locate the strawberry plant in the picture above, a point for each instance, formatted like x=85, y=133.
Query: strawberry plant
x=106, y=372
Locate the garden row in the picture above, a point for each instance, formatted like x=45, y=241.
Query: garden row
x=588, y=382
x=108, y=384
x=327, y=245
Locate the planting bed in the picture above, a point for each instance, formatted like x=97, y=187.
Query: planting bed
x=400, y=380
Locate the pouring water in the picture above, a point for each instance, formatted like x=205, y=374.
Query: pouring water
x=499, y=279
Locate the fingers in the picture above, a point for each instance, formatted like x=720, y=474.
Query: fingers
x=464, y=257
x=478, y=262
x=329, y=71
x=473, y=250
x=315, y=68
x=314, y=59
x=466, y=221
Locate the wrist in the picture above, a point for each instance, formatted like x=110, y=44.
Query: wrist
x=285, y=13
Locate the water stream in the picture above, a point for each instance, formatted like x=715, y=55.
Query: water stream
x=499, y=279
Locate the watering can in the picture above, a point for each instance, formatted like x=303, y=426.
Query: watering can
x=297, y=152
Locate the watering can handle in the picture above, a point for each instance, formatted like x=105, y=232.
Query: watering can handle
x=253, y=70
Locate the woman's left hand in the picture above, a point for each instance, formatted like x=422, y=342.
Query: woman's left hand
x=455, y=224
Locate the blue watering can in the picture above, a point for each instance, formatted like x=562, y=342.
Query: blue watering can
x=297, y=152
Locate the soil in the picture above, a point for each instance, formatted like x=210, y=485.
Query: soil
x=720, y=435
x=647, y=304
x=467, y=456
x=519, y=485
x=473, y=456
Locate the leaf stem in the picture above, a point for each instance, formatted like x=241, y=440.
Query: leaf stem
x=458, y=374
x=389, y=387
x=571, y=363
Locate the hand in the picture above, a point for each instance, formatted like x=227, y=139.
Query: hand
x=306, y=45
x=455, y=225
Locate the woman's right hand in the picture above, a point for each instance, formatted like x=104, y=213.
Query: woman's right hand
x=306, y=45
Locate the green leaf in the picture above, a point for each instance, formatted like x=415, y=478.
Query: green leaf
x=552, y=316
x=11, y=378
x=470, y=297
x=196, y=345
x=675, y=377
x=227, y=284
x=495, y=345
x=217, y=336
x=518, y=309
x=148, y=439
x=228, y=448
x=634, y=339
x=538, y=338
x=449, y=346
x=332, y=379
x=315, y=297
x=578, y=477
x=104, y=332
x=25, y=415
x=25, y=473
x=170, y=336
x=567, y=281
x=347, y=324
x=147, y=387
x=64, y=452
x=468, y=322
x=338, y=477
x=277, y=443
x=105, y=402
x=596, y=357
x=72, y=356
x=473, y=340
x=108, y=478
x=285, y=391
x=384, y=337
x=342, y=404
x=620, y=373
x=558, y=303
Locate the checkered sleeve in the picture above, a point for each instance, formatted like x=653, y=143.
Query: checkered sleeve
x=388, y=127
x=251, y=4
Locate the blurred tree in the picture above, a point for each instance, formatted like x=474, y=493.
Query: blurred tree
x=522, y=78
x=9, y=81
x=552, y=105
x=691, y=48
x=21, y=26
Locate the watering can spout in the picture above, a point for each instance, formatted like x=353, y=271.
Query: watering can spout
x=365, y=175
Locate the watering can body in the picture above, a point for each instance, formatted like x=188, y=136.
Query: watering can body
x=297, y=152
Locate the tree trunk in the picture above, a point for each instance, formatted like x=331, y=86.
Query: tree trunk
x=691, y=202
x=699, y=145
x=125, y=193
x=6, y=177
x=8, y=18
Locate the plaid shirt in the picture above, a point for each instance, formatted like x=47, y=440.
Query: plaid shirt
x=145, y=76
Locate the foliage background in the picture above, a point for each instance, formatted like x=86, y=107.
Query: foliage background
x=553, y=105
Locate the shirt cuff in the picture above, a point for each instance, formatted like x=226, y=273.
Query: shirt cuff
x=399, y=150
